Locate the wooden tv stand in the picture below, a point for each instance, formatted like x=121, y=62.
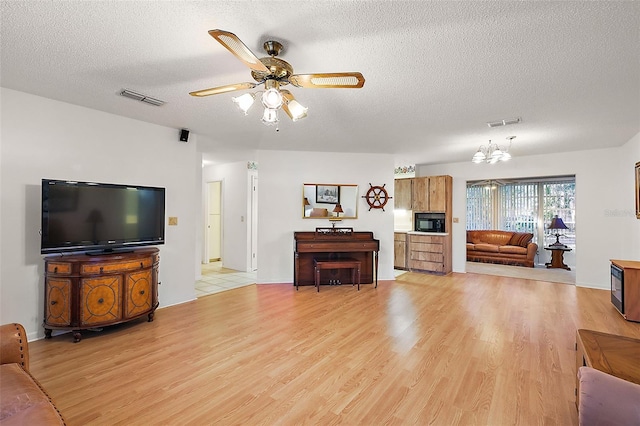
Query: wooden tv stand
x=85, y=292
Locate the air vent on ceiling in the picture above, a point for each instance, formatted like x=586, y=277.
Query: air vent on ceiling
x=504, y=122
x=140, y=97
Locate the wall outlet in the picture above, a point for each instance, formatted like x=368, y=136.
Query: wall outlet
x=173, y=221
x=456, y=220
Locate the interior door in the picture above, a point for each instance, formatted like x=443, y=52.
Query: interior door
x=214, y=221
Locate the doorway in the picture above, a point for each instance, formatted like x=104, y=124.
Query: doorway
x=215, y=277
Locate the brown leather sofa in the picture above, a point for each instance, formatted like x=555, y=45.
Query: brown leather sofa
x=505, y=247
x=22, y=400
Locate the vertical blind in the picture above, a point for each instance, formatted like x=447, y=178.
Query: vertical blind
x=479, y=207
x=518, y=207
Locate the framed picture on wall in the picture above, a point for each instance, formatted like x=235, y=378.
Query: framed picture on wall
x=328, y=194
x=638, y=189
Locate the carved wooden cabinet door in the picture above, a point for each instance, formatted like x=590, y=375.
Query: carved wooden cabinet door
x=100, y=299
x=138, y=296
x=57, y=305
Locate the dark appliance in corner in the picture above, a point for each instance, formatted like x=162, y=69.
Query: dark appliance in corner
x=617, y=288
x=429, y=222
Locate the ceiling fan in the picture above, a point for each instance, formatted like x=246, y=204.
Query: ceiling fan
x=275, y=73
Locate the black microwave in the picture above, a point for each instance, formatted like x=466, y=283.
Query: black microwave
x=429, y=222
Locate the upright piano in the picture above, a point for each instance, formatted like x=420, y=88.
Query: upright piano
x=334, y=244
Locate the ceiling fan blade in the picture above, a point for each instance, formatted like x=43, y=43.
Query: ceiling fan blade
x=223, y=89
x=238, y=48
x=336, y=80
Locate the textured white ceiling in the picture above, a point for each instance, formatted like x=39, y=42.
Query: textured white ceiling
x=435, y=71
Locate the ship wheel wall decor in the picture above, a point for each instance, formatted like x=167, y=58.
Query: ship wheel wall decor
x=377, y=197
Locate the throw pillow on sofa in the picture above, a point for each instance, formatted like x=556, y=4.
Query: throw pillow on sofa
x=521, y=239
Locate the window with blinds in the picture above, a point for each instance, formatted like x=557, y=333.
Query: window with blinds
x=523, y=206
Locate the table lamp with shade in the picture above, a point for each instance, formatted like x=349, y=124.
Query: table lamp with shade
x=337, y=210
x=557, y=223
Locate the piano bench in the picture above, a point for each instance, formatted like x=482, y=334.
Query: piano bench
x=345, y=263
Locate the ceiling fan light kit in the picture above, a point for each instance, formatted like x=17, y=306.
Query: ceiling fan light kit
x=244, y=102
x=295, y=110
x=274, y=73
x=270, y=116
x=272, y=98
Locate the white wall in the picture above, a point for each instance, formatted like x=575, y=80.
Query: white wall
x=42, y=138
x=236, y=180
x=282, y=174
x=606, y=227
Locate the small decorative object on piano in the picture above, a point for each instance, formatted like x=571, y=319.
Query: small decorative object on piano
x=334, y=231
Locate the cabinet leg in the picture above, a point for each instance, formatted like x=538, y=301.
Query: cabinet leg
x=151, y=316
x=47, y=333
x=77, y=336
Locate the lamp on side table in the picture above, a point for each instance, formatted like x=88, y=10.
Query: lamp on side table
x=557, y=223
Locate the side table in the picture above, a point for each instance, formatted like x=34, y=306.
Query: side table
x=557, y=257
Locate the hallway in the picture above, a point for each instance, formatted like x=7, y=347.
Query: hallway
x=216, y=279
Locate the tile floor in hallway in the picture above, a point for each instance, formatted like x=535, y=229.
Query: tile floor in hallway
x=216, y=278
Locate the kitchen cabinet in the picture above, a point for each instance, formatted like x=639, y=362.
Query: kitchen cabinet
x=402, y=194
x=400, y=250
x=430, y=253
x=431, y=194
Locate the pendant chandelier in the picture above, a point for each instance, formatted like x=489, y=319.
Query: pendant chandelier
x=493, y=153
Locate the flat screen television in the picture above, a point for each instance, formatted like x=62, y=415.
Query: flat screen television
x=100, y=217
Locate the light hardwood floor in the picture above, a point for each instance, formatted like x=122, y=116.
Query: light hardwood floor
x=462, y=349
x=539, y=272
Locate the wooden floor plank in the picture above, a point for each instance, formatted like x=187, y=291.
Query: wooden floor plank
x=460, y=349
